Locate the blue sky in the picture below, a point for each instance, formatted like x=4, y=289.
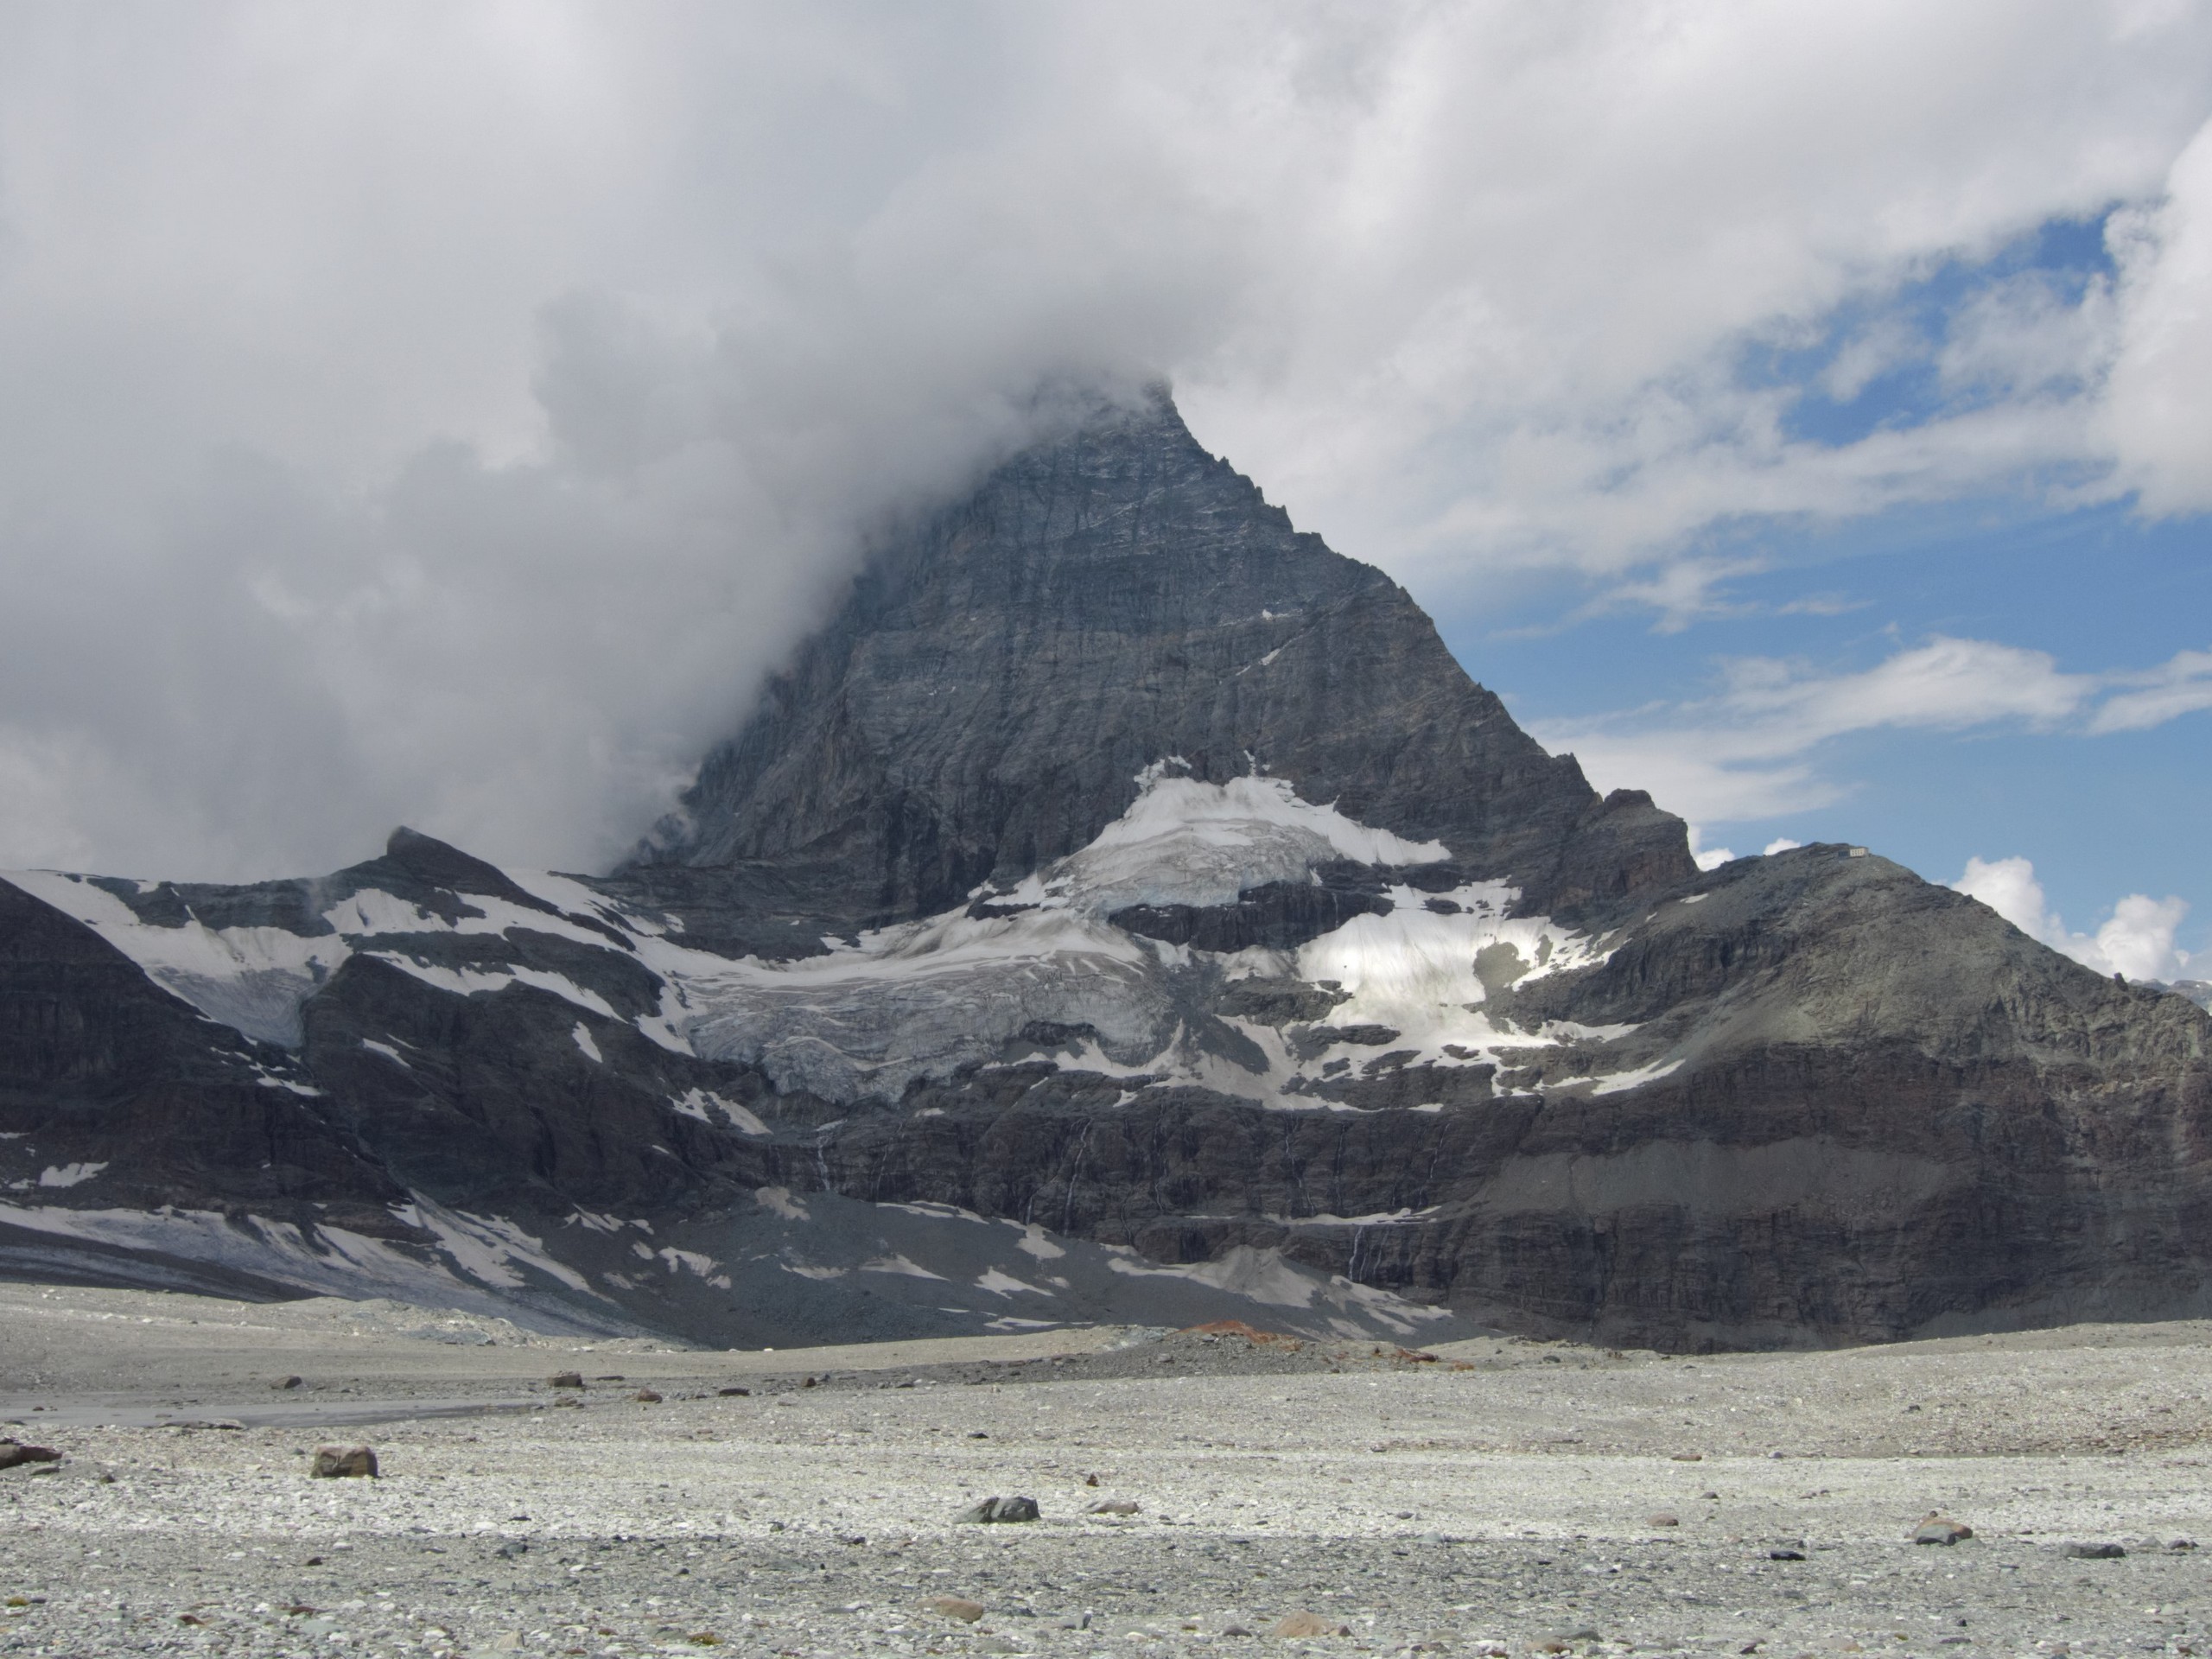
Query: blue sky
x=2060, y=563
x=2098, y=589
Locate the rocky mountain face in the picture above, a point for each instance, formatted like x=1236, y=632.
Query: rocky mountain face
x=1123, y=908
x=2198, y=991
x=999, y=681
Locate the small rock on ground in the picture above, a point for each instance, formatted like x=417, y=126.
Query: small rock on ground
x=1309, y=1625
x=1561, y=1641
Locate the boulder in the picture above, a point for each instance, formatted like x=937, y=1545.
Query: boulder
x=565, y=1380
x=1001, y=1509
x=1935, y=1529
x=344, y=1463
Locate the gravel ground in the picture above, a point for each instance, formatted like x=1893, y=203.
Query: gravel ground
x=1502, y=1496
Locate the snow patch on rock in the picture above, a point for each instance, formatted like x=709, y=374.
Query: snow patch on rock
x=252, y=979
x=471, y=981
x=1185, y=842
x=704, y=1104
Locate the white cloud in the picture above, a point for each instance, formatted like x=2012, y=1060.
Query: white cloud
x=1744, y=755
x=2180, y=686
x=1475, y=398
x=1751, y=752
x=1683, y=592
x=2136, y=941
x=1708, y=858
x=449, y=413
x=2156, y=417
x=1712, y=858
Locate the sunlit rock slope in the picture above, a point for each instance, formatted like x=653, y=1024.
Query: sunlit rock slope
x=1124, y=908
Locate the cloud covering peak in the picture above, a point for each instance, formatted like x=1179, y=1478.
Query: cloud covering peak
x=448, y=414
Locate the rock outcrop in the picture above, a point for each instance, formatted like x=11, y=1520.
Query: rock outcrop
x=1124, y=908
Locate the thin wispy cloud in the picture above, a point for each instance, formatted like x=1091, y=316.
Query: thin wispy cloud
x=2180, y=686
x=1753, y=751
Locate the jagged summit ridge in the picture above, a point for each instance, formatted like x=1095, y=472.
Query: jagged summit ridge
x=1001, y=676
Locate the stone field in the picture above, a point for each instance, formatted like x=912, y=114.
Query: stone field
x=1502, y=1496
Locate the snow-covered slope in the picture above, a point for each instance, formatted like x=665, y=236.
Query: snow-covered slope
x=870, y=1016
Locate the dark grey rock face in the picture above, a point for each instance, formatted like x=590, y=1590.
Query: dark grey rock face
x=986, y=699
x=2198, y=991
x=98, y=1066
x=1124, y=909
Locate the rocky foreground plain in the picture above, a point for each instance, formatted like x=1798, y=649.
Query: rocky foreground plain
x=1501, y=1497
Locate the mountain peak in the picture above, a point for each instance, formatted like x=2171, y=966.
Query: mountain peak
x=1001, y=674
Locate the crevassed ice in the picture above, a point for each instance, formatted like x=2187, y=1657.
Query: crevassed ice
x=920, y=999
x=868, y=1018
x=917, y=999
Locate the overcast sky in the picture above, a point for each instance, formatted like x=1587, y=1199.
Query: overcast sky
x=446, y=414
